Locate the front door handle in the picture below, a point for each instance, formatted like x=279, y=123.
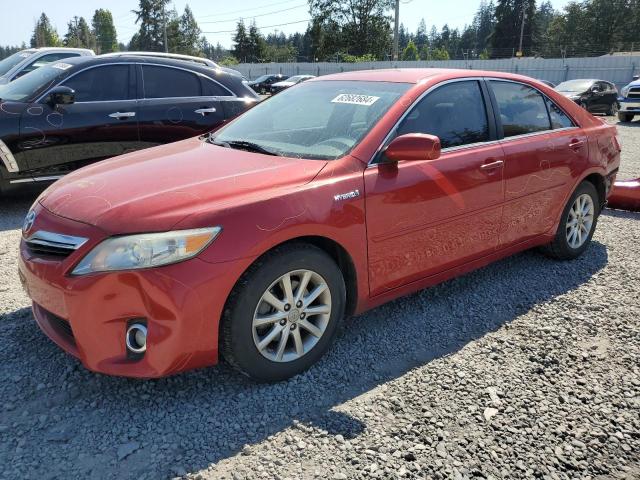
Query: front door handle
x=122, y=115
x=492, y=165
x=204, y=111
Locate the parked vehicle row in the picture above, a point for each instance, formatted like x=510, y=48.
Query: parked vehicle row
x=329, y=199
x=262, y=84
x=289, y=82
x=595, y=96
x=71, y=113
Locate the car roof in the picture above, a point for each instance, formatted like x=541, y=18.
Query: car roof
x=417, y=75
x=174, y=56
x=59, y=49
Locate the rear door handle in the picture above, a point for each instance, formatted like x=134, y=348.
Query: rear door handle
x=576, y=144
x=122, y=115
x=492, y=165
x=204, y=111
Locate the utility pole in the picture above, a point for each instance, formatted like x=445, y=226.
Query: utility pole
x=164, y=14
x=395, y=32
x=524, y=16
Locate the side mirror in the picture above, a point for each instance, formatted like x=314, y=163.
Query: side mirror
x=413, y=146
x=61, y=96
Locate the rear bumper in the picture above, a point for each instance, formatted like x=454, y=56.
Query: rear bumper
x=87, y=316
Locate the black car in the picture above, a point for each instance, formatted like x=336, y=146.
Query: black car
x=77, y=111
x=595, y=96
x=263, y=84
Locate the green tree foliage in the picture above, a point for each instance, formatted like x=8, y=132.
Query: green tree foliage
x=410, y=52
x=79, y=35
x=506, y=32
x=190, y=40
x=242, y=45
x=151, y=17
x=357, y=27
x=104, y=31
x=44, y=35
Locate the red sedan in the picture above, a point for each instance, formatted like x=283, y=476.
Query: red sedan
x=335, y=196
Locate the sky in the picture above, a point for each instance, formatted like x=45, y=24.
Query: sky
x=217, y=18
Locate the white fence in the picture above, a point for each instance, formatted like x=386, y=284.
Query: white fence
x=616, y=69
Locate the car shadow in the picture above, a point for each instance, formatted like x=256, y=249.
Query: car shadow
x=211, y=414
x=14, y=207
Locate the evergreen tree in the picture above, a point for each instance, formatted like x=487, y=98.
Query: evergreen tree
x=104, y=31
x=505, y=38
x=256, y=47
x=421, y=35
x=241, y=49
x=44, y=35
x=189, y=34
x=410, y=52
x=152, y=18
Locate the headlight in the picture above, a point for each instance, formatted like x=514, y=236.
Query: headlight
x=625, y=91
x=146, y=250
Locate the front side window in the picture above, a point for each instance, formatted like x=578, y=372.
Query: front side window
x=455, y=113
x=559, y=119
x=166, y=82
x=100, y=84
x=521, y=108
x=316, y=120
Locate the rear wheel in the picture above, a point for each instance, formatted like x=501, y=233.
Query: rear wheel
x=284, y=313
x=625, y=117
x=577, y=224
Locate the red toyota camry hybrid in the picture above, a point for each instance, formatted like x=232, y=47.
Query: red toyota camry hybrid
x=337, y=195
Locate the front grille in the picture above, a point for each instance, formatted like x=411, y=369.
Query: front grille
x=634, y=92
x=50, y=244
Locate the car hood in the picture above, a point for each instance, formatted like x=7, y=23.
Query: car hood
x=283, y=84
x=154, y=189
x=567, y=93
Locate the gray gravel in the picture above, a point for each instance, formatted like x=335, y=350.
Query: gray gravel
x=528, y=368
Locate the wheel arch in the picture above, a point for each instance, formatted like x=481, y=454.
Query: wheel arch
x=598, y=181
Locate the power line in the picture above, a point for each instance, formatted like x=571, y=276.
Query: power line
x=266, y=26
x=235, y=19
x=248, y=9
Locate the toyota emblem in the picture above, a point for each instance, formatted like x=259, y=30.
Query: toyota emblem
x=28, y=221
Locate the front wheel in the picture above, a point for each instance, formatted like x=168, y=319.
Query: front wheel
x=284, y=313
x=613, y=109
x=577, y=224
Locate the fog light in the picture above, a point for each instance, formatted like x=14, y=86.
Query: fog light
x=136, y=338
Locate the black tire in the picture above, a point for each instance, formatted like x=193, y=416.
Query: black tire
x=624, y=117
x=613, y=109
x=560, y=248
x=237, y=343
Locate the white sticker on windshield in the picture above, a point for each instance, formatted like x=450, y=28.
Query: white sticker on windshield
x=354, y=99
x=61, y=66
x=24, y=55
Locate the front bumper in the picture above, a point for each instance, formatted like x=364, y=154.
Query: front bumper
x=629, y=105
x=87, y=316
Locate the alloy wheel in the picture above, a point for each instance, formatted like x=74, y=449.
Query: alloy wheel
x=580, y=221
x=292, y=315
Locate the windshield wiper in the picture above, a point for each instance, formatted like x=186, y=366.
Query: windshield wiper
x=242, y=145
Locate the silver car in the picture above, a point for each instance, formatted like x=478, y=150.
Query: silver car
x=25, y=61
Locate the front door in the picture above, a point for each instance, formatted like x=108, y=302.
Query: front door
x=424, y=217
x=177, y=104
x=102, y=122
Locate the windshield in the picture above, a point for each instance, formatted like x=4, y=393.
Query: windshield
x=262, y=78
x=574, y=86
x=10, y=62
x=316, y=120
x=25, y=87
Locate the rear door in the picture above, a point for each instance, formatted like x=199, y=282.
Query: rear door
x=102, y=122
x=177, y=103
x=424, y=217
x=537, y=160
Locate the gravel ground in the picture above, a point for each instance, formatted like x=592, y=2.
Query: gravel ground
x=528, y=368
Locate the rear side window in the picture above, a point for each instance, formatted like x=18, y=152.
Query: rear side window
x=455, y=113
x=522, y=109
x=101, y=84
x=166, y=82
x=559, y=119
x=213, y=89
